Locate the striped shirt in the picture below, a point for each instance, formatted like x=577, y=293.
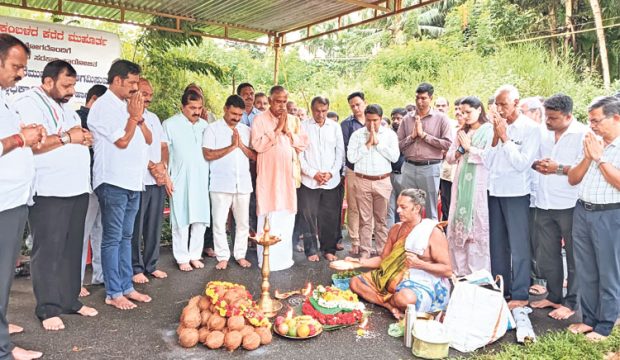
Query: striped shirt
x=594, y=188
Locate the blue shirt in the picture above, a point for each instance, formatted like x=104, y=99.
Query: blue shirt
x=349, y=126
x=247, y=119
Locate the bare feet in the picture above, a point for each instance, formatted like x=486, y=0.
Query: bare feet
x=158, y=274
x=23, y=354
x=579, y=328
x=222, y=265
x=140, y=279
x=313, y=258
x=561, y=313
x=516, y=303
x=185, y=267
x=544, y=303
x=210, y=252
x=84, y=292
x=355, y=250
x=339, y=247
x=330, y=257
x=139, y=297
x=53, y=324
x=197, y=264
x=87, y=311
x=244, y=263
x=537, y=290
x=121, y=303
x=396, y=313
x=595, y=337
x=15, y=329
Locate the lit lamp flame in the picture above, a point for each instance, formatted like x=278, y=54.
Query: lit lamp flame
x=277, y=294
x=289, y=313
x=307, y=290
x=363, y=327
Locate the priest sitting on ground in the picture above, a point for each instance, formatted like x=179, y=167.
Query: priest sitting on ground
x=414, y=267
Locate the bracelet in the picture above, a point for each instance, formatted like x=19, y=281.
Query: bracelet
x=140, y=122
x=20, y=140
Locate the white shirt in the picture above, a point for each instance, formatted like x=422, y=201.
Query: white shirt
x=325, y=153
x=16, y=167
x=65, y=170
x=553, y=191
x=509, y=164
x=115, y=166
x=230, y=173
x=594, y=188
x=159, y=137
x=379, y=158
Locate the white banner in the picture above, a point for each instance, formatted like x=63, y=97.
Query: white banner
x=91, y=52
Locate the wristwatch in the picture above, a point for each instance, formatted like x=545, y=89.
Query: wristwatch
x=65, y=138
x=560, y=170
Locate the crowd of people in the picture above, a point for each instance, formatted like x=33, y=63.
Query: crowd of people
x=508, y=189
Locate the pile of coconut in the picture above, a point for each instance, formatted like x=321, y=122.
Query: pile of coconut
x=201, y=322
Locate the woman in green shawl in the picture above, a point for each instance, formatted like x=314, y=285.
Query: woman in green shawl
x=389, y=284
x=468, y=226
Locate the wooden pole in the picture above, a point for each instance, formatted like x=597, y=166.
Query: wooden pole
x=276, y=65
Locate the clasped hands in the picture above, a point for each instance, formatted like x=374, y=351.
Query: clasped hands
x=373, y=139
x=34, y=135
x=418, y=130
x=322, y=177
x=592, y=147
x=545, y=166
x=499, y=125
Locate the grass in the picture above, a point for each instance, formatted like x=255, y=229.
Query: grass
x=556, y=345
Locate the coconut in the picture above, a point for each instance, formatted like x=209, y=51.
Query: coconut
x=204, y=303
x=265, y=335
x=202, y=334
x=246, y=329
x=216, y=322
x=191, y=317
x=236, y=323
x=193, y=302
x=251, y=341
x=179, y=328
x=215, y=340
x=188, y=338
x=232, y=340
x=205, y=315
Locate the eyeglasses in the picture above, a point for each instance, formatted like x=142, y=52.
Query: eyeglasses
x=598, y=121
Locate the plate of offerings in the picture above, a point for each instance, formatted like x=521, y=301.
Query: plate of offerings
x=300, y=327
x=334, y=308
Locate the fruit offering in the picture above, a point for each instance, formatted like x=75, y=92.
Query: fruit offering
x=298, y=327
x=226, y=317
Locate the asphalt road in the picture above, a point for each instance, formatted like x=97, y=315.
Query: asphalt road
x=148, y=332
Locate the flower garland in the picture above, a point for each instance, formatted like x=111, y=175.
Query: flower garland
x=341, y=318
x=242, y=306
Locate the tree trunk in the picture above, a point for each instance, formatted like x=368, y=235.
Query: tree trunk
x=553, y=25
x=570, y=27
x=600, y=34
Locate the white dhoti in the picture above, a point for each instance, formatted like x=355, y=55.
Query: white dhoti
x=282, y=224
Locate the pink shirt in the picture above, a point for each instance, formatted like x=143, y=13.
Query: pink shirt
x=275, y=181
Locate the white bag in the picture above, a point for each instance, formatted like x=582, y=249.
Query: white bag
x=477, y=315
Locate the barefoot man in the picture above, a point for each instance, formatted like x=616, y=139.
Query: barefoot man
x=157, y=184
x=189, y=172
x=226, y=145
x=121, y=144
x=415, y=265
x=61, y=188
x=560, y=147
x=15, y=154
x=595, y=221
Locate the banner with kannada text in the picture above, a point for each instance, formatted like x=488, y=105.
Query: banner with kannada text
x=91, y=52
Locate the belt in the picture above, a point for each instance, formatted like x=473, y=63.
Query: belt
x=598, y=207
x=423, y=163
x=372, y=178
